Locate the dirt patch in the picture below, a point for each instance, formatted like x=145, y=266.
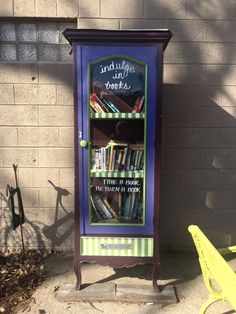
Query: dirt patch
x=19, y=277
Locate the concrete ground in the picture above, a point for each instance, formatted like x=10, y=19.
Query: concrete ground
x=180, y=270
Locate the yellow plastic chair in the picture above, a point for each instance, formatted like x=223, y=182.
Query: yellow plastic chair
x=214, y=269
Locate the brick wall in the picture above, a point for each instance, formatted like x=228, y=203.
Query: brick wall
x=198, y=138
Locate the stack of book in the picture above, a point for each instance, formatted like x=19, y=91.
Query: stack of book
x=118, y=157
x=129, y=209
x=111, y=103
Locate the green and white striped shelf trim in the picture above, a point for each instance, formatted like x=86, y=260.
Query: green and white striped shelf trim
x=123, y=115
x=97, y=246
x=116, y=174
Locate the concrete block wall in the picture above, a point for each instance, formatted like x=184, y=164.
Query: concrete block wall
x=199, y=109
x=198, y=129
x=36, y=132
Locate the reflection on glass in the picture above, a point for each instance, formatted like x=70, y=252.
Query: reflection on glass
x=64, y=53
x=7, y=32
x=48, y=33
x=27, y=32
x=117, y=85
x=117, y=137
x=7, y=52
x=47, y=52
x=27, y=52
x=117, y=200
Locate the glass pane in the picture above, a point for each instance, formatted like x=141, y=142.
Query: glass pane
x=27, y=32
x=64, y=53
x=117, y=85
x=117, y=154
x=7, y=52
x=7, y=32
x=48, y=33
x=48, y=52
x=27, y=52
x=64, y=26
x=117, y=140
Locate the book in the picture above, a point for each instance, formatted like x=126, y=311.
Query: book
x=109, y=207
x=101, y=207
x=138, y=105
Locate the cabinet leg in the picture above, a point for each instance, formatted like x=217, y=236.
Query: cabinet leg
x=155, y=273
x=77, y=269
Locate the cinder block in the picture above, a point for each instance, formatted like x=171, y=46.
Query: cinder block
x=198, y=138
x=199, y=117
x=24, y=157
x=6, y=177
x=56, y=116
x=35, y=94
x=182, y=95
x=38, y=177
x=6, y=94
x=204, y=218
x=141, y=24
x=183, y=198
x=187, y=30
x=232, y=10
x=191, y=52
x=38, y=136
x=67, y=8
x=67, y=177
x=55, y=73
x=185, y=74
x=198, y=178
x=8, y=136
x=98, y=23
x=48, y=198
x=211, y=10
x=190, y=138
x=198, y=158
x=52, y=157
x=18, y=73
x=89, y=8
x=46, y=8
x=24, y=8
x=66, y=137
x=221, y=31
x=219, y=199
x=122, y=8
x=221, y=74
x=30, y=198
x=18, y=115
x=228, y=96
x=65, y=95
x=165, y=9
x=6, y=8
x=229, y=55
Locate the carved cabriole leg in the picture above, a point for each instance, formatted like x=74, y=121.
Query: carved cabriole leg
x=155, y=273
x=77, y=270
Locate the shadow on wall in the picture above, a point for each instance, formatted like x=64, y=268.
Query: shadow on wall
x=198, y=143
x=36, y=233
x=198, y=175
x=52, y=232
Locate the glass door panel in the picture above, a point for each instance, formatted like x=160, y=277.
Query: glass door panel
x=117, y=133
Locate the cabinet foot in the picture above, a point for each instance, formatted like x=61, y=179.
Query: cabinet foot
x=155, y=273
x=77, y=269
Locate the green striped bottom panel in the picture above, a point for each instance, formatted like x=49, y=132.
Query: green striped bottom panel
x=119, y=115
x=116, y=174
x=96, y=246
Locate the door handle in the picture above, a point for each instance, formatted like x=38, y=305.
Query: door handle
x=83, y=143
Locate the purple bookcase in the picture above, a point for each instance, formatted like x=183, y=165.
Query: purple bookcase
x=117, y=102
